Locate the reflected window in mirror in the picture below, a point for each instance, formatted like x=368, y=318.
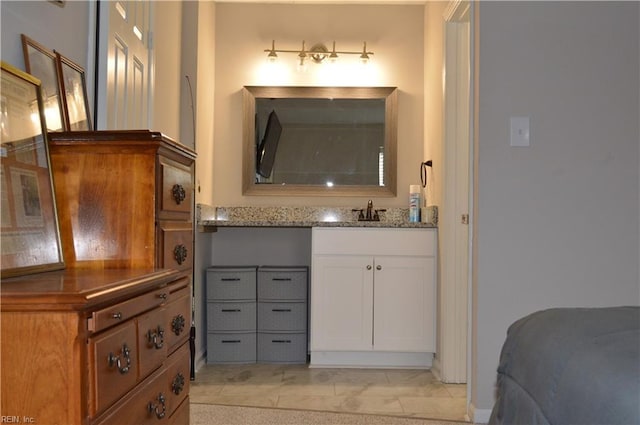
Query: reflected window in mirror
x=320, y=141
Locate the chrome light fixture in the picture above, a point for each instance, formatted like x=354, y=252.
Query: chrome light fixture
x=318, y=53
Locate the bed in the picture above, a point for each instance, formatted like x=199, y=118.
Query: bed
x=571, y=366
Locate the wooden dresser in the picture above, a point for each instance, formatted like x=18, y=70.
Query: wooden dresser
x=106, y=341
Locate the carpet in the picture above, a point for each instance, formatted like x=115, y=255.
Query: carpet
x=210, y=414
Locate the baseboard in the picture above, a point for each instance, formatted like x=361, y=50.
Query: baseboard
x=371, y=359
x=478, y=416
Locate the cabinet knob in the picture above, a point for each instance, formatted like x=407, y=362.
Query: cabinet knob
x=180, y=254
x=178, y=384
x=179, y=194
x=378, y=267
x=368, y=266
x=117, y=361
x=177, y=324
x=159, y=409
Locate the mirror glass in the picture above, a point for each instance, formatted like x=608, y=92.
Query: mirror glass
x=320, y=140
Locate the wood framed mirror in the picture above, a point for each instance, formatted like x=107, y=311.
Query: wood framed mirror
x=319, y=141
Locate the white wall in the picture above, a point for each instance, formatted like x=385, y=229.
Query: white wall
x=243, y=31
x=557, y=222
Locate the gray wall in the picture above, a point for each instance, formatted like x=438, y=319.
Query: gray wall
x=557, y=222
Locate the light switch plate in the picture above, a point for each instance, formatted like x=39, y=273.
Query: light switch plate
x=520, y=135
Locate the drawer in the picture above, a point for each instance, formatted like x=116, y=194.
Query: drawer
x=152, y=341
x=373, y=241
x=231, y=283
x=176, y=189
x=178, y=318
x=282, y=283
x=282, y=347
x=231, y=347
x=147, y=404
x=113, y=365
x=177, y=384
x=181, y=415
x=118, y=313
x=175, y=245
x=231, y=316
x=282, y=316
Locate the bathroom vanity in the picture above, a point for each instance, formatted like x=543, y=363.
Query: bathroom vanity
x=372, y=298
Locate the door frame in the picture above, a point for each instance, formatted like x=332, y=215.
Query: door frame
x=455, y=354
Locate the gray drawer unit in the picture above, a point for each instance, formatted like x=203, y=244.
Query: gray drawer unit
x=282, y=316
x=231, y=347
x=282, y=347
x=231, y=316
x=231, y=283
x=282, y=283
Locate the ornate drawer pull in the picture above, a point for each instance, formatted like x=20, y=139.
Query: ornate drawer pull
x=180, y=254
x=163, y=296
x=154, y=408
x=178, y=384
x=178, y=324
x=179, y=194
x=155, y=337
x=113, y=359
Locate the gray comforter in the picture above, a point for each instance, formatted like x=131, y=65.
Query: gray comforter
x=571, y=366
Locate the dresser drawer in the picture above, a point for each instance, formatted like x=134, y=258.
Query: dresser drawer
x=177, y=385
x=282, y=347
x=231, y=347
x=119, y=313
x=152, y=341
x=147, y=404
x=178, y=317
x=112, y=365
x=282, y=283
x=290, y=316
x=181, y=415
x=175, y=245
x=176, y=189
x=231, y=283
x=231, y=316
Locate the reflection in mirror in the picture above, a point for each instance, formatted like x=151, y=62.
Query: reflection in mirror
x=319, y=140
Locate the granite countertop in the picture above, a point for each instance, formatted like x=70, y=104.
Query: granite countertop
x=212, y=217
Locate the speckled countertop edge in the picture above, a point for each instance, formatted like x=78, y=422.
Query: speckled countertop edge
x=288, y=216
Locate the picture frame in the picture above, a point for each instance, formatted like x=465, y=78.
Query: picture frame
x=42, y=63
x=29, y=222
x=73, y=86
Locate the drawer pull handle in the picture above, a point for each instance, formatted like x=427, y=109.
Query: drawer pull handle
x=163, y=296
x=113, y=359
x=283, y=310
x=117, y=316
x=179, y=194
x=159, y=409
x=230, y=279
x=180, y=254
x=281, y=279
x=281, y=341
x=178, y=324
x=231, y=341
x=178, y=384
x=155, y=337
x=231, y=310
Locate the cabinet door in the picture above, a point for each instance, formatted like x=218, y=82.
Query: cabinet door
x=404, y=302
x=341, y=303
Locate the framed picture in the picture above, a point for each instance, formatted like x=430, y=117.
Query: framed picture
x=73, y=87
x=29, y=226
x=42, y=64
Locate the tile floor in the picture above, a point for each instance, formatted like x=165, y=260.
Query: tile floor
x=397, y=392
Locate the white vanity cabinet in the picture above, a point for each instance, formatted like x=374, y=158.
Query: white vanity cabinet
x=373, y=298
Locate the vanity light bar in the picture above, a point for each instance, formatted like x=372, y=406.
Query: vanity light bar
x=318, y=52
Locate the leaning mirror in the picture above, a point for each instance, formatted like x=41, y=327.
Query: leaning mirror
x=333, y=141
